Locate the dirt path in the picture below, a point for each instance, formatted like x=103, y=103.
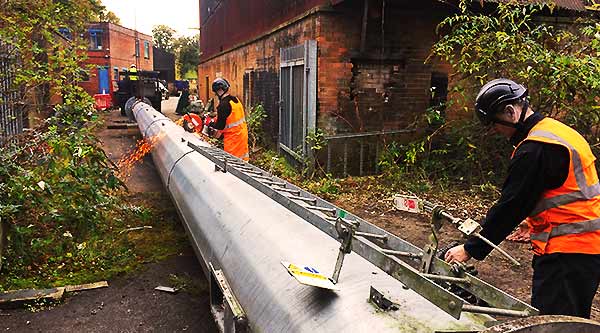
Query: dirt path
x=130, y=304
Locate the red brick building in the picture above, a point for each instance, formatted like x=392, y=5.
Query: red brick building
x=354, y=68
x=113, y=48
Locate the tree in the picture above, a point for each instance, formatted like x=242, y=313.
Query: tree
x=188, y=54
x=109, y=16
x=54, y=177
x=164, y=37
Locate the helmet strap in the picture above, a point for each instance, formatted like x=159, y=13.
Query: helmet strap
x=521, y=124
x=505, y=123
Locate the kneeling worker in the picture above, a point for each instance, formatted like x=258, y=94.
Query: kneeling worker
x=231, y=121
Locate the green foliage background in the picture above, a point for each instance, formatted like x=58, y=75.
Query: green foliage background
x=58, y=190
x=558, y=62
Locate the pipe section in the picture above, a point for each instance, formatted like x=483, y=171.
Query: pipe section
x=237, y=229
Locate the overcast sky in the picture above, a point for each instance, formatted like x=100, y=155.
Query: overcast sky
x=178, y=14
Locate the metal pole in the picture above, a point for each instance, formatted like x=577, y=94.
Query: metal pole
x=363, y=35
x=495, y=311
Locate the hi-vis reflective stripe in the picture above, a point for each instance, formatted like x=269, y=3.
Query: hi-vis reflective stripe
x=234, y=124
x=585, y=191
x=568, y=229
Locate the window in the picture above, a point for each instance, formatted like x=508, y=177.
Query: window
x=116, y=73
x=439, y=89
x=146, y=49
x=96, y=39
x=137, y=48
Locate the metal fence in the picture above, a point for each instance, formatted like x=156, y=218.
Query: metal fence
x=358, y=154
x=298, y=99
x=11, y=113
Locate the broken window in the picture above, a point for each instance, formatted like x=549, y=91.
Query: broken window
x=439, y=90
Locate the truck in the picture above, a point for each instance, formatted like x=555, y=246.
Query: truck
x=147, y=88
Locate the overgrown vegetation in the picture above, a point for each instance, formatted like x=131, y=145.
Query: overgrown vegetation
x=558, y=63
x=58, y=190
x=256, y=134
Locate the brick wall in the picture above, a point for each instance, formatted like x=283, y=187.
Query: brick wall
x=384, y=88
x=258, y=62
x=388, y=85
x=118, y=51
x=122, y=48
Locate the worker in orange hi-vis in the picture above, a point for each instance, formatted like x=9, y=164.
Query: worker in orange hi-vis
x=231, y=121
x=552, y=183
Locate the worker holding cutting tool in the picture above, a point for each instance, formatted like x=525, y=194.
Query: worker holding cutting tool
x=231, y=121
x=553, y=183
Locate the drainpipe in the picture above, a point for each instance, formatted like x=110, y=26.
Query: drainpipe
x=363, y=35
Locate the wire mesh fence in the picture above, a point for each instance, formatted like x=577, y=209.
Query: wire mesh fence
x=11, y=113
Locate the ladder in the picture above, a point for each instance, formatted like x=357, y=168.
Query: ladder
x=393, y=255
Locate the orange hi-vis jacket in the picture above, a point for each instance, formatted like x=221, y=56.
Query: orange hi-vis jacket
x=235, y=133
x=567, y=219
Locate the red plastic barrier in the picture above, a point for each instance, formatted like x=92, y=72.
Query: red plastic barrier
x=103, y=101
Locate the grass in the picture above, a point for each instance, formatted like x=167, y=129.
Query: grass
x=107, y=252
x=377, y=191
x=186, y=283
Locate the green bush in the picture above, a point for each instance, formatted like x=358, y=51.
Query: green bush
x=559, y=65
x=255, y=119
x=58, y=191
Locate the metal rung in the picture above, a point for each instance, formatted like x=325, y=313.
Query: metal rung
x=333, y=219
x=260, y=176
x=310, y=200
x=287, y=190
x=495, y=311
x=445, y=278
x=322, y=209
x=268, y=182
x=234, y=162
x=322, y=217
x=402, y=253
x=369, y=235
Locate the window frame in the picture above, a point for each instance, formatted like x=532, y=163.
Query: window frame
x=146, y=49
x=137, y=48
x=96, y=42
